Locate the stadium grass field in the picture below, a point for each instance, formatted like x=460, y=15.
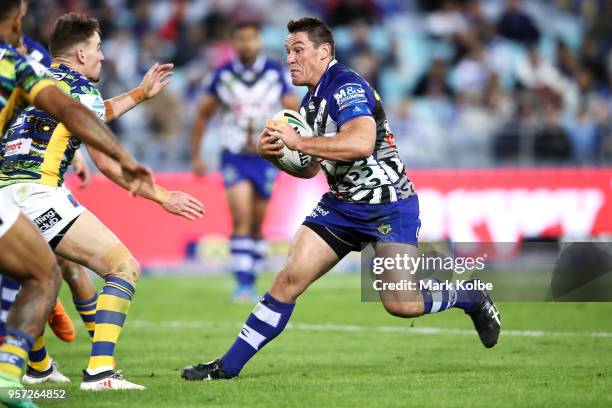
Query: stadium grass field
x=341, y=352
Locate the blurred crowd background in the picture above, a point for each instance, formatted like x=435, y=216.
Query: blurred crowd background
x=465, y=83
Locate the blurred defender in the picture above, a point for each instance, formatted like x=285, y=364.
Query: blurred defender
x=249, y=89
x=24, y=255
x=370, y=200
x=38, y=149
x=59, y=320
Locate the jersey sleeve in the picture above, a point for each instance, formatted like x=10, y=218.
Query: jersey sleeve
x=350, y=99
x=37, y=51
x=210, y=85
x=92, y=99
x=31, y=77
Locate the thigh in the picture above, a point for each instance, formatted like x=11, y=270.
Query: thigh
x=18, y=244
x=399, y=277
x=309, y=258
x=90, y=243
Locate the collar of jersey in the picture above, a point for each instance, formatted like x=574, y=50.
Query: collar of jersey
x=256, y=68
x=324, y=76
x=64, y=67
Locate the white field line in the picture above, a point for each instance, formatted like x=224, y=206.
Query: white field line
x=339, y=328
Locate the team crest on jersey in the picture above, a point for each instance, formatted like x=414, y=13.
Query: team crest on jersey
x=385, y=229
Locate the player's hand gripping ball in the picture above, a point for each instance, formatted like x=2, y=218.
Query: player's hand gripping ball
x=293, y=160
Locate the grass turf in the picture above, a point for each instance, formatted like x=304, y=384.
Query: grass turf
x=342, y=352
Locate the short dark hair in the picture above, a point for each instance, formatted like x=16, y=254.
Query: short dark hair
x=7, y=7
x=71, y=29
x=246, y=24
x=318, y=32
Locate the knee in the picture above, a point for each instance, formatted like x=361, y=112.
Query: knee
x=70, y=272
x=404, y=309
x=46, y=275
x=285, y=287
x=128, y=270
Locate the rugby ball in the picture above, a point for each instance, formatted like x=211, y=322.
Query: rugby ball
x=293, y=160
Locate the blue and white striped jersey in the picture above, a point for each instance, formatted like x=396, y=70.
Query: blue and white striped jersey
x=340, y=96
x=249, y=96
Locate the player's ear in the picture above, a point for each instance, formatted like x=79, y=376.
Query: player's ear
x=16, y=22
x=80, y=55
x=324, y=50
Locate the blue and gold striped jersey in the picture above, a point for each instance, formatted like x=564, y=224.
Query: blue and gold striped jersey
x=20, y=81
x=37, y=147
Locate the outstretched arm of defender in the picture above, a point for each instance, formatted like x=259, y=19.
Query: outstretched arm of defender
x=175, y=202
x=85, y=126
x=355, y=140
x=156, y=79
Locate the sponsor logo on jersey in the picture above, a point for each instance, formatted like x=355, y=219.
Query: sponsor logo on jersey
x=17, y=146
x=94, y=103
x=47, y=220
x=349, y=94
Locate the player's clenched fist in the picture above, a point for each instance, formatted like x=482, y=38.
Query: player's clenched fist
x=183, y=204
x=268, y=146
